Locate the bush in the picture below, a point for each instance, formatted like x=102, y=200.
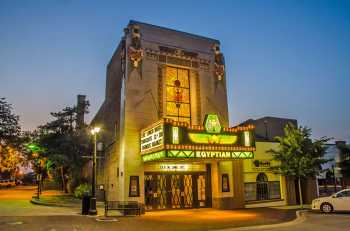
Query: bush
x=82, y=190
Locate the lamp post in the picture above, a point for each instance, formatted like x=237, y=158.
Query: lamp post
x=92, y=210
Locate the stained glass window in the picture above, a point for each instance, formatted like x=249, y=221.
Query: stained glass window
x=178, y=94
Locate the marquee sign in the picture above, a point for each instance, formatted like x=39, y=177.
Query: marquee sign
x=168, y=139
x=195, y=155
x=152, y=138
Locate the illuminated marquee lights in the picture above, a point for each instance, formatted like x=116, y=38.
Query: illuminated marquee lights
x=154, y=156
x=212, y=123
x=203, y=138
x=175, y=135
x=183, y=154
x=224, y=155
x=173, y=139
x=174, y=167
x=248, y=127
x=152, y=138
x=246, y=138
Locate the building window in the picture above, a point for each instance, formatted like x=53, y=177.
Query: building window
x=262, y=189
x=178, y=105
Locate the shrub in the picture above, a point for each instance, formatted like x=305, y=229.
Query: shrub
x=82, y=190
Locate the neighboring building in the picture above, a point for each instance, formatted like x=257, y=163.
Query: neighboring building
x=165, y=130
x=266, y=129
x=262, y=186
x=331, y=180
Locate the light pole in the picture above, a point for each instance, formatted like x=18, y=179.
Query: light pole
x=92, y=210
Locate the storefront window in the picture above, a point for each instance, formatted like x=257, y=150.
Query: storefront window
x=262, y=192
x=178, y=94
x=262, y=189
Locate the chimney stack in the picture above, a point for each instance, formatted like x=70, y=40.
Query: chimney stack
x=81, y=106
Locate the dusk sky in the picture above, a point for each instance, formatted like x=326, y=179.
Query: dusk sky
x=283, y=58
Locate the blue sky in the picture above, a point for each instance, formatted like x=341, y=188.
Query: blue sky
x=283, y=58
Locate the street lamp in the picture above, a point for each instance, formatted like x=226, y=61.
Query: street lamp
x=93, y=210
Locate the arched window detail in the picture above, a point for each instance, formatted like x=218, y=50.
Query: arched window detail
x=262, y=177
x=262, y=189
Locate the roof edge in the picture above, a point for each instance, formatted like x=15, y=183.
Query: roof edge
x=132, y=22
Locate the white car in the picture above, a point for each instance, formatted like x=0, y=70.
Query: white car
x=339, y=201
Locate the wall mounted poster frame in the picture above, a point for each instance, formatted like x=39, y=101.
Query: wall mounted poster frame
x=225, y=183
x=134, y=186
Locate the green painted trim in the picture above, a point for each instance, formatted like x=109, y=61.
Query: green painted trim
x=154, y=156
x=188, y=154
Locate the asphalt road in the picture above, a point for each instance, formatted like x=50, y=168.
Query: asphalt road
x=17, y=213
x=319, y=222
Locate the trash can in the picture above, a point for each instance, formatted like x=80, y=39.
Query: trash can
x=85, y=205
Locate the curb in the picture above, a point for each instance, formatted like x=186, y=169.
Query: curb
x=299, y=219
x=36, y=202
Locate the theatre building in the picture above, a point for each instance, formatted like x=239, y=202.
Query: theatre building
x=165, y=126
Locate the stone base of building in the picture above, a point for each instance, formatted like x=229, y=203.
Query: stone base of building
x=227, y=203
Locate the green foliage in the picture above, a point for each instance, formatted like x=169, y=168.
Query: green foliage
x=82, y=190
x=11, y=140
x=10, y=130
x=345, y=159
x=10, y=160
x=64, y=145
x=297, y=154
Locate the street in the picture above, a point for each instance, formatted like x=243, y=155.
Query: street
x=17, y=213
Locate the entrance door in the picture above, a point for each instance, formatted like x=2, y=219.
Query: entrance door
x=175, y=191
x=201, y=190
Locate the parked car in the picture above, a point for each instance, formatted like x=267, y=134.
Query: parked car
x=7, y=183
x=339, y=201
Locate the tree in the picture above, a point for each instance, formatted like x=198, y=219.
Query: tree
x=10, y=160
x=298, y=156
x=10, y=140
x=10, y=130
x=63, y=143
x=345, y=159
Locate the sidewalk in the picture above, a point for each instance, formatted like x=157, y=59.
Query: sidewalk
x=187, y=219
x=54, y=198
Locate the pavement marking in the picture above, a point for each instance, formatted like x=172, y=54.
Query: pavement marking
x=300, y=218
x=107, y=219
x=15, y=223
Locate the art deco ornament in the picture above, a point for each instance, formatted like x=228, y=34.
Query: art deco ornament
x=135, y=51
x=219, y=63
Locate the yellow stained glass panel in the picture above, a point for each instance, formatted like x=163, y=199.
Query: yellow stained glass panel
x=185, y=110
x=182, y=76
x=171, y=94
x=171, y=109
x=171, y=75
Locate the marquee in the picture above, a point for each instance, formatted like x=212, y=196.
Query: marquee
x=169, y=139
